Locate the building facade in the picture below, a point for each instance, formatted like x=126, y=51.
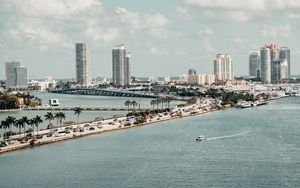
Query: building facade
x=254, y=64
x=16, y=76
x=223, y=67
x=121, y=66
x=82, y=77
x=285, y=55
x=265, y=60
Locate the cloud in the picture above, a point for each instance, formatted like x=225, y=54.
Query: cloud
x=282, y=31
x=50, y=8
x=99, y=33
x=36, y=31
x=246, y=4
x=182, y=11
x=153, y=50
x=153, y=24
x=206, y=31
x=245, y=10
x=207, y=46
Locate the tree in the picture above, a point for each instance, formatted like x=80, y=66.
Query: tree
x=153, y=102
x=10, y=121
x=36, y=121
x=30, y=122
x=49, y=116
x=19, y=124
x=60, y=116
x=128, y=104
x=57, y=117
x=77, y=111
x=134, y=104
x=26, y=121
x=4, y=125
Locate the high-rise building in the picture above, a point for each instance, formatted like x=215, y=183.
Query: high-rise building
x=16, y=75
x=21, y=73
x=127, y=72
x=254, y=64
x=192, y=72
x=285, y=55
x=265, y=60
x=10, y=71
x=223, y=67
x=121, y=66
x=81, y=64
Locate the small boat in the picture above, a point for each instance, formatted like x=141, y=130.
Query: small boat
x=244, y=105
x=201, y=138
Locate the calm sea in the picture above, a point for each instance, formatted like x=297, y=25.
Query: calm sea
x=257, y=147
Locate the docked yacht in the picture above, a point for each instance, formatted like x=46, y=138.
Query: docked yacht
x=201, y=138
x=244, y=104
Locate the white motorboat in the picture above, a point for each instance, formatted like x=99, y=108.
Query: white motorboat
x=201, y=138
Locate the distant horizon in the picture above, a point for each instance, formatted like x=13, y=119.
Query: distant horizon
x=163, y=40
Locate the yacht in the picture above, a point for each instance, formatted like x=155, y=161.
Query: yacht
x=244, y=104
x=201, y=138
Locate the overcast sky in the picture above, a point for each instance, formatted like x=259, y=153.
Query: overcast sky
x=165, y=37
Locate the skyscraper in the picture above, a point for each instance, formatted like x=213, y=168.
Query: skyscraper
x=121, y=66
x=254, y=64
x=21, y=73
x=279, y=70
x=192, y=72
x=16, y=76
x=81, y=64
x=127, y=69
x=223, y=67
x=285, y=55
x=265, y=60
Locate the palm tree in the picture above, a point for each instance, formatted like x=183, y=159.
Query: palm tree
x=77, y=111
x=30, y=122
x=56, y=116
x=60, y=116
x=134, y=104
x=36, y=121
x=128, y=104
x=10, y=121
x=26, y=121
x=4, y=126
x=19, y=124
x=153, y=102
x=168, y=100
x=158, y=101
x=49, y=116
x=162, y=100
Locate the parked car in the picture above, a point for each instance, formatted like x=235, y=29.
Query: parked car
x=92, y=128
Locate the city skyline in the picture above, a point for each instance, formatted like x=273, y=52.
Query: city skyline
x=177, y=34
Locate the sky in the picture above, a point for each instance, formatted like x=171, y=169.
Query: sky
x=165, y=37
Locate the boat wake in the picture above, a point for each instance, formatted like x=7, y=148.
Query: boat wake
x=229, y=136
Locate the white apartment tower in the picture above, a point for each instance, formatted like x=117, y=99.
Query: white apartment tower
x=265, y=60
x=121, y=66
x=223, y=67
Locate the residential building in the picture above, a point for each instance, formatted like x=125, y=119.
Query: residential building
x=265, y=60
x=254, y=64
x=223, y=67
x=16, y=76
x=285, y=54
x=82, y=76
x=121, y=66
